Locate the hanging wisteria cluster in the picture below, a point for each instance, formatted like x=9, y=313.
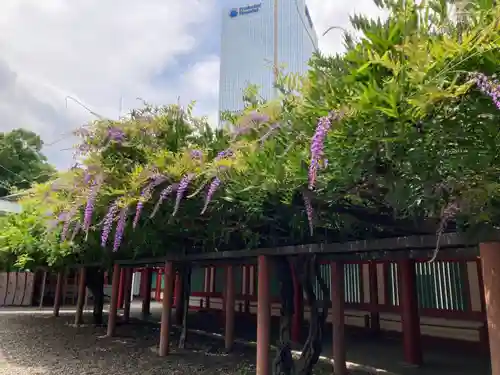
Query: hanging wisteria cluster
x=214, y=185
x=181, y=190
x=89, y=208
x=108, y=222
x=216, y=181
x=163, y=195
x=146, y=194
x=317, y=146
x=488, y=86
x=120, y=228
x=118, y=210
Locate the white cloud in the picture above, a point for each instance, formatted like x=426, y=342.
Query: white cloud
x=101, y=51
x=331, y=13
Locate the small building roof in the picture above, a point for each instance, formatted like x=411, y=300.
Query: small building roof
x=9, y=207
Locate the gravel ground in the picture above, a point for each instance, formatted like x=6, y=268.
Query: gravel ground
x=43, y=345
x=38, y=344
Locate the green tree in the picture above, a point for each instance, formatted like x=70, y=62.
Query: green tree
x=397, y=136
x=21, y=161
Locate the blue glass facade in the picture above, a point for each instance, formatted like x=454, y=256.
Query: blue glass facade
x=247, y=47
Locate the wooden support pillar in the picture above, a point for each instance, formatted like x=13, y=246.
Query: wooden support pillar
x=127, y=294
x=42, y=293
x=166, y=310
x=374, y=315
x=142, y=287
x=58, y=293
x=146, y=299
x=205, y=279
x=230, y=300
x=490, y=264
x=158, y=285
x=80, y=303
x=338, y=319
x=209, y=286
x=113, y=306
x=121, y=288
x=297, y=307
x=251, y=280
x=263, y=316
x=408, y=299
x=246, y=287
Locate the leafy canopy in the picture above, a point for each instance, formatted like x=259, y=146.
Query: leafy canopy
x=400, y=132
x=22, y=162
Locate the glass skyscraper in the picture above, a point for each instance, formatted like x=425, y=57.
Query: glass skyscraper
x=247, y=47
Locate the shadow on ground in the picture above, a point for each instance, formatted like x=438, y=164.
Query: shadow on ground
x=384, y=353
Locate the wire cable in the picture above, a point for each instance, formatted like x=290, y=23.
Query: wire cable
x=304, y=25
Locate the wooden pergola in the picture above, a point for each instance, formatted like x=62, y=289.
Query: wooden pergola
x=403, y=250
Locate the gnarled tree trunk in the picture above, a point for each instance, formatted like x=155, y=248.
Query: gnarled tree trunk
x=283, y=361
x=319, y=312
x=307, y=270
x=186, y=292
x=95, y=282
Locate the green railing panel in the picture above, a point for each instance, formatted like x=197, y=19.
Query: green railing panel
x=220, y=279
x=197, y=279
x=238, y=279
x=153, y=280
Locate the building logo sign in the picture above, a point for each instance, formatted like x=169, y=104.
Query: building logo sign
x=235, y=12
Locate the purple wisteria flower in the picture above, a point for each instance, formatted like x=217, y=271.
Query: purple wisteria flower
x=488, y=86
x=309, y=212
x=108, y=223
x=146, y=194
x=65, y=230
x=89, y=208
x=67, y=222
x=196, y=154
x=87, y=177
x=224, y=154
x=116, y=134
x=317, y=146
x=163, y=195
x=214, y=185
x=258, y=117
x=77, y=228
x=183, y=185
x=120, y=228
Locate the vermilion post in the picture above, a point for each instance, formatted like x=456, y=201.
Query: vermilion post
x=230, y=300
x=166, y=310
x=297, y=316
x=408, y=298
x=374, y=315
x=158, y=285
x=81, y=297
x=490, y=259
x=58, y=294
x=338, y=316
x=209, y=286
x=263, y=316
x=121, y=288
x=113, y=308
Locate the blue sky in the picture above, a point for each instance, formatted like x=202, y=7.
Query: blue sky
x=100, y=51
